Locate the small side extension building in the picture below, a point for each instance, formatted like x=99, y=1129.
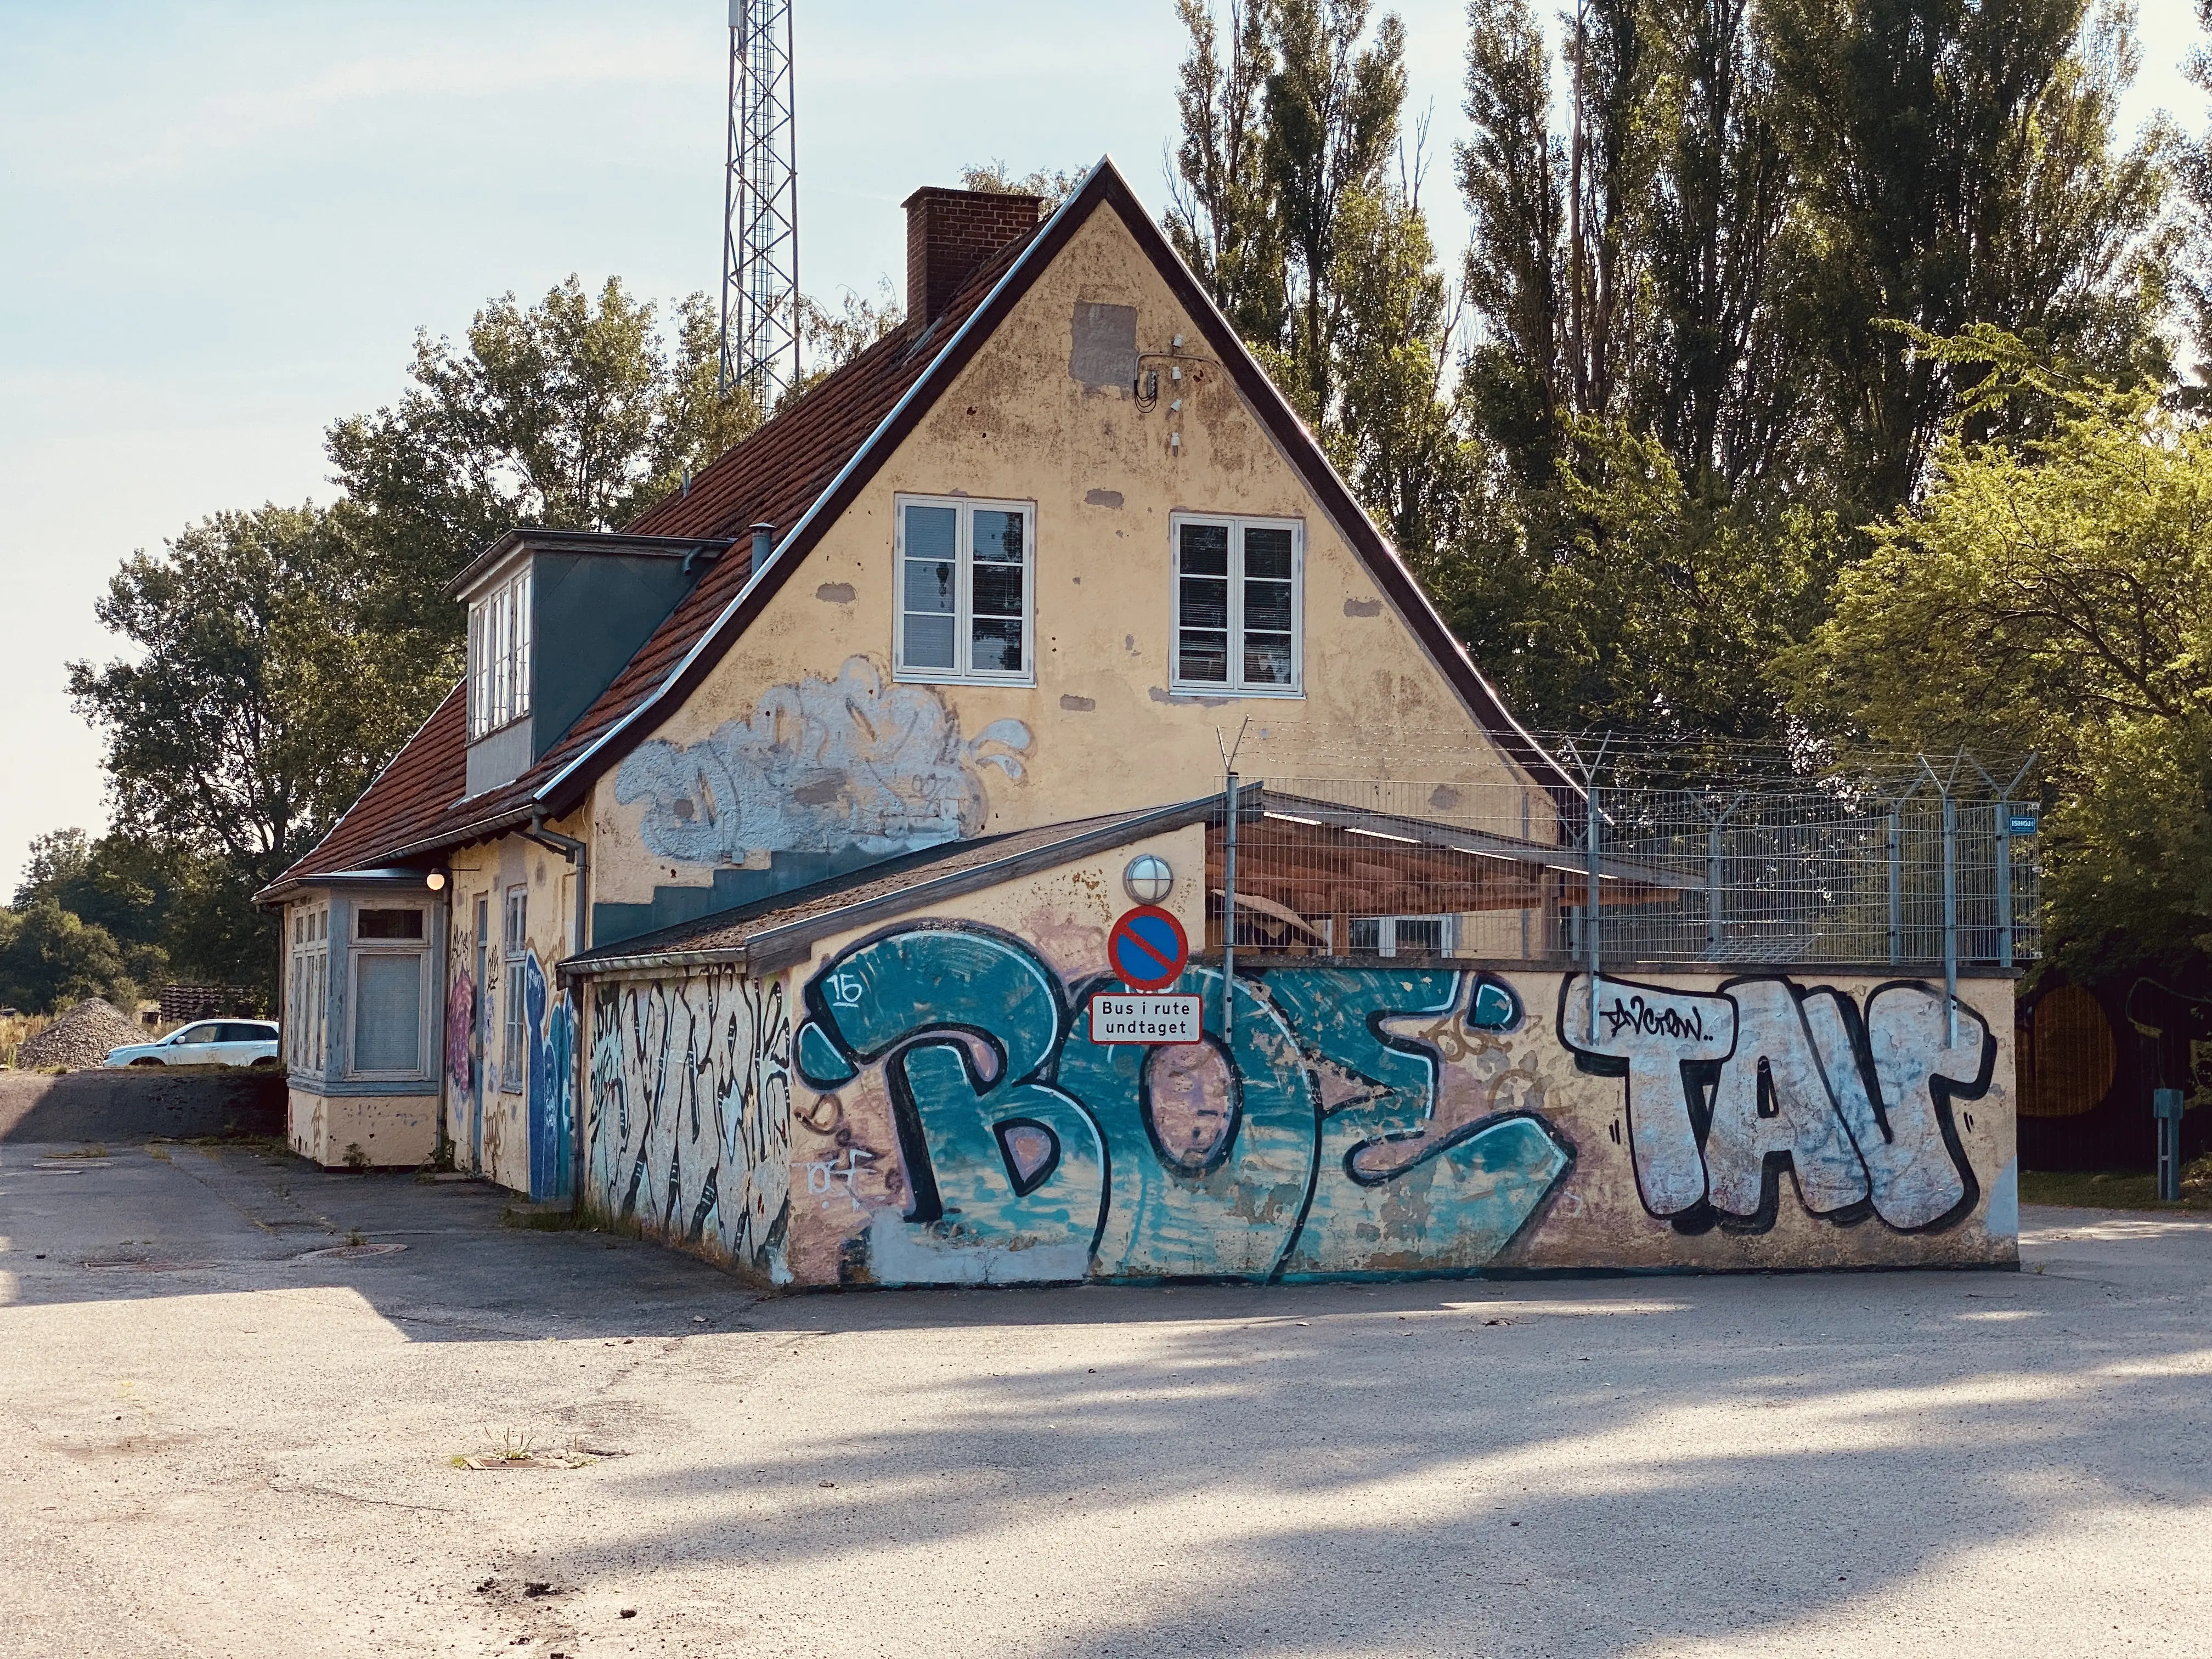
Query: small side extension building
x=756, y=884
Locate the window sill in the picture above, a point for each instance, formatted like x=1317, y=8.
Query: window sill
x=945, y=677
x=1219, y=692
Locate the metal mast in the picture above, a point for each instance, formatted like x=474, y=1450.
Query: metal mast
x=760, y=206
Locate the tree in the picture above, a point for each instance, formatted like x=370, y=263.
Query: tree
x=995, y=178
x=260, y=701
x=567, y=415
x=1957, y=159
x=1219, y=212
x=834, y=338
x=1281, y=141
x=50, y=958
x=2053, y=594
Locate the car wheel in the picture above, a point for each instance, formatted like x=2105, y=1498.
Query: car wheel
x=145, y=1059
x=266, y=1063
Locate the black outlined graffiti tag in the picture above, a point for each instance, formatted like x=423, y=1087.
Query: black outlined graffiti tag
x=1638, y=1016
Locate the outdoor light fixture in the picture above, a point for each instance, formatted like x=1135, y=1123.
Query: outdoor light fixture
x=1148, y=879
x=435, y=881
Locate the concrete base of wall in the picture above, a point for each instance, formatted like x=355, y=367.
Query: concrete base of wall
x=140, y=1104
x=363, y=1132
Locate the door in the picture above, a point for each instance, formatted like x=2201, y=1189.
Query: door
x=479, y=1043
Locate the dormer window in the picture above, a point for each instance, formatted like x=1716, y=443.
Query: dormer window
x=499, y=656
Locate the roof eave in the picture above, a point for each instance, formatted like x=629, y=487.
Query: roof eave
x=779, y=947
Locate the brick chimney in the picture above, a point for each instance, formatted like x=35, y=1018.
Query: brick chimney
x=949, y=233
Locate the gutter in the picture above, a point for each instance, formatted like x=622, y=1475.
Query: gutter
x=546, y=791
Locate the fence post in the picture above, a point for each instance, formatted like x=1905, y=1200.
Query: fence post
x=1228, y=918
x=2004, y=859
x=1590, y=904
x=1713, y=873
x=1897, y=880
x=2004, y=884
x=1950, y=921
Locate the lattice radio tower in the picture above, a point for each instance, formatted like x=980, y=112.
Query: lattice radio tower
x=760, y=206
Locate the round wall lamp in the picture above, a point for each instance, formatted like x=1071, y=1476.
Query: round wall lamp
x=1148, y=879
x=435, y=881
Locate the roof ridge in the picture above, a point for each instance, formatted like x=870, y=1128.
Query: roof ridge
x=812, y=460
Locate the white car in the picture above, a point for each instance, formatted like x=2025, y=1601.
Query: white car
x=208, y=1043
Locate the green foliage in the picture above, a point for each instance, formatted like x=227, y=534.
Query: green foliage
x=2053, y=594
x=1957, y=165
x=996, y=178
x=50, y=959
x=568, y=413
x=1285, y=141
x=1651, y=611
x=259, y=699
x=834, y=338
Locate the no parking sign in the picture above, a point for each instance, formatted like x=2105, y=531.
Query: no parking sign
x=1147, y=948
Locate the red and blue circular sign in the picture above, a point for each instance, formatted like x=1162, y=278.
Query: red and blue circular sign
x=1147, y=948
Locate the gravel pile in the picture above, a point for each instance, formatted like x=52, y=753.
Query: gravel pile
x=79, y=1038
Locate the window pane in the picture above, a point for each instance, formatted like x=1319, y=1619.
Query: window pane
x=1267, y=553
x=997, y=591
x=1205, y=602
x=1206, y=549
x=998, y=646
x=1266, y=659
x=929, y=585
x=387, y=1031
x=929, y=642
x=933, y=532
x=1367, y=937
x=997, y=535
x=1268, y=606
x=1420, y=936
x=390, y=924
x=1203, y=657
x=522, y=625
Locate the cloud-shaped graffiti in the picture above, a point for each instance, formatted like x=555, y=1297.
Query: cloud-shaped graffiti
x=822, y=766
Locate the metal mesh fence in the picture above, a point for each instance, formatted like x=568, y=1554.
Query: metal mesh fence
x=1900, y=870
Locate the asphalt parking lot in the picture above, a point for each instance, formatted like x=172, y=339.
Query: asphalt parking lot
x=215, y=1439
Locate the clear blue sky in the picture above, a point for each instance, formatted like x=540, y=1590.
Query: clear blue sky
x=224, y=221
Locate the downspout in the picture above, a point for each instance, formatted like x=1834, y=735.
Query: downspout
x=579, y=854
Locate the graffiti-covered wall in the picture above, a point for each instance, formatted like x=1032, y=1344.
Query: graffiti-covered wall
x=690, y=1130
x=924, y=1104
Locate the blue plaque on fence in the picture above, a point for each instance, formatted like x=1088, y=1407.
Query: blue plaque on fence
x=2023, y=820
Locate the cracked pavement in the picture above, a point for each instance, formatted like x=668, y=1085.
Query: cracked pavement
x=219, y=1442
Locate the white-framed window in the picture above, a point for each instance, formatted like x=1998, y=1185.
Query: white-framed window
x=500, y=643
x=514, y=1028
x=967, y=590
x=306, y=991
x=1239, y=605
x=389, y=1012
x=1400, y=936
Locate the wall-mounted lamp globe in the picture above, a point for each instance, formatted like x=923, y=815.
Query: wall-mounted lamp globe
x=1148, y=879
x=435, y=881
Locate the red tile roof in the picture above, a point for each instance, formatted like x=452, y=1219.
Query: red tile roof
x=414, y=806
x=797, y=472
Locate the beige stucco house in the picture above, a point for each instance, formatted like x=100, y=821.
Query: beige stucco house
x=755, y=886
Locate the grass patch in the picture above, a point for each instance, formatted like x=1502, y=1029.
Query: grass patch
x=16, y=1031
x=2115, y=1189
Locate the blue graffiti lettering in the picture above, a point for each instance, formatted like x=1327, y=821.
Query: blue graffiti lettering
x=1308, y=1142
